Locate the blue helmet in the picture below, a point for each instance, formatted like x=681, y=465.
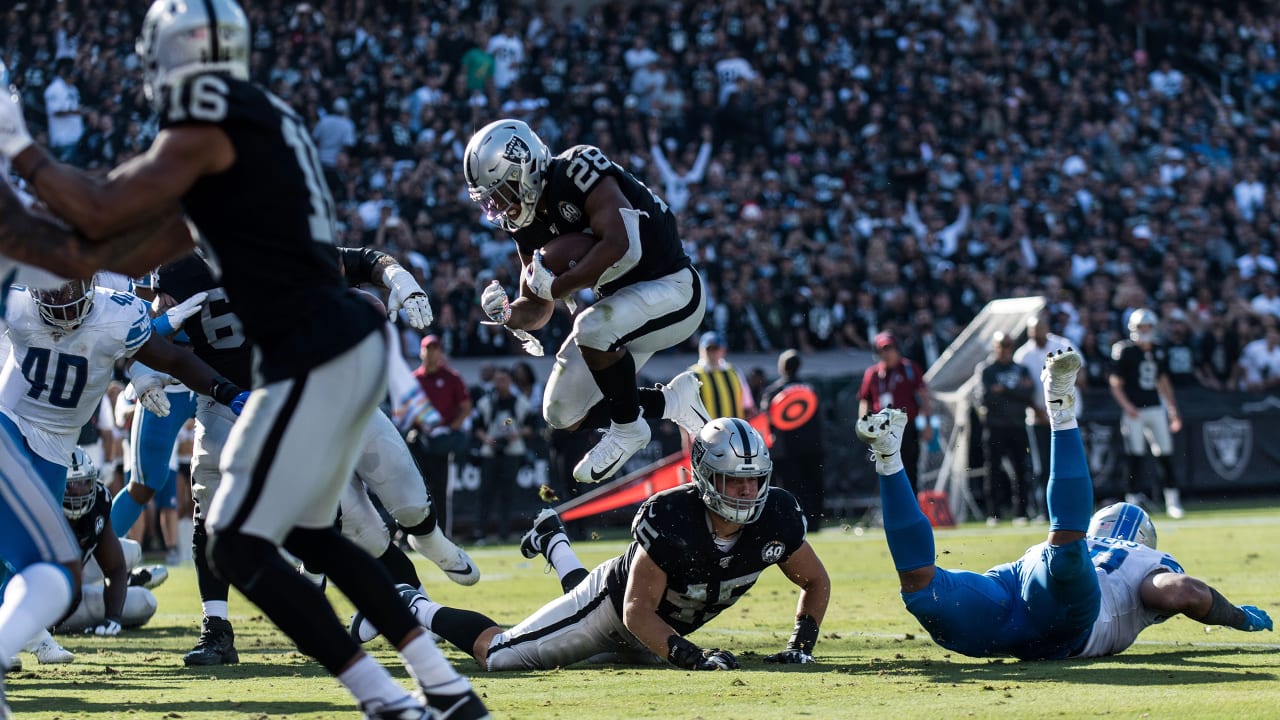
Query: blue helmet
x=1124, y=521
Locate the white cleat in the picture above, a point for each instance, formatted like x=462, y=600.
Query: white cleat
x=49, y=652
x=453, y=560
x=619, y=443
x=683, y=398
x=883, y=431
x=362, y=630
x=1173, y=503
x=1059, y=379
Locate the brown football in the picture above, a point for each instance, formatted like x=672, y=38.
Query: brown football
x=563, y=252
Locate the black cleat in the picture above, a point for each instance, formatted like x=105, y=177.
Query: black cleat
x=217, y=644
x=545, y=526
x=465, y=706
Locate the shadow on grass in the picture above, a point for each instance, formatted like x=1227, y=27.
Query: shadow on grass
x=78, y=704
x=1193, y=666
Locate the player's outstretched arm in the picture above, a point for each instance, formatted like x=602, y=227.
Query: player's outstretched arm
x=161, y=354
x=808, y=573
x=29, y=238
x=1174, y=593
x=645, y=587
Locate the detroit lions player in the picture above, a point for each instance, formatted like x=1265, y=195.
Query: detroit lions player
x=697, y=549
x=241, y=165
x=1070, y=596
x=651, y=295
x=64, y=345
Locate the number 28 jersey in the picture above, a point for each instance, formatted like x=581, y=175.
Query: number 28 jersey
x=1122, y=566
x=53, y=380
x=703, y=580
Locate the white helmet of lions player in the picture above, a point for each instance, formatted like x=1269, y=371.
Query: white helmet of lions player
x=182, y=38
x=82, y=485
x=67, y=305
x=505, y=165
x=1124, y=521
x=730, y=448
x=1142, y=326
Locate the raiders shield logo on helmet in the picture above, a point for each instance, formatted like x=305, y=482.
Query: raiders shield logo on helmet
x=517, y=150
x=1228, y=443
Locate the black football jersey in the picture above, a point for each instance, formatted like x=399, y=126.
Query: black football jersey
x=267, y=225
x=1139, y=369
x=571, y=177
x=702, y=581
x=216, y=334
x=88, y=527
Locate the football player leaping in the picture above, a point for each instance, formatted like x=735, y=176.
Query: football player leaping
x=1087, y=591
x=651, y=296
x=673, y=579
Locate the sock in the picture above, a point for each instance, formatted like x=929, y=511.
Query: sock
x=399, y=565
x=1170, y=481
x=460, y=627
x=124, y=512
x=213, y=589
x=907, y=530
x=596, y=418
x=34, y=599
x=652, y=404
x=214, y=608
x=371, y=684
x=1070, y=492
x=618, y=384
x=1134, y=465
x=429, y=667
x=426, y=527
x=562, y=557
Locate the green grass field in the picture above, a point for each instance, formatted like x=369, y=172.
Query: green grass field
x=874, y=661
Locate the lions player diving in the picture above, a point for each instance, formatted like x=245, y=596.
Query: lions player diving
x=697, y=549
x=1087, y=591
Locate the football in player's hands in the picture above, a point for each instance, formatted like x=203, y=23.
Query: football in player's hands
x=563, y=252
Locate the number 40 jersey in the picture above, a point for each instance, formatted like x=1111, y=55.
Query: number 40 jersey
x=53, y=380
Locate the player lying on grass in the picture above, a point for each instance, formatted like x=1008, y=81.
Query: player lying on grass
x=1087, y=591
x=697, y=549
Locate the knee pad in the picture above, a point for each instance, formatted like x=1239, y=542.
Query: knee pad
x=593, y=330
x=238, y=558
x=410, y=516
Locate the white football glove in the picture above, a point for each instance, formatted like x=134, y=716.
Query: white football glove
x=495, y=303
x=149, y=387
x=172, y=319
x=407, y=294
x=107, y=628
x=14, y=137
x=538, y=278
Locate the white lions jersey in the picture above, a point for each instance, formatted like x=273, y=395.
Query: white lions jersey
x=53, y=380
x=1122, y=566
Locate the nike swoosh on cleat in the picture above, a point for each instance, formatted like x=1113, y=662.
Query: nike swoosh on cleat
x=701, y=417
x=598, y=476
x=465, y=571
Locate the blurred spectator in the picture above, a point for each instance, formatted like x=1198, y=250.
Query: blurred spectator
x=897, y=382
x=62, y=104
x=1260, y=362
x=798, y=462
x=334, y=134
x=448, y=393
x=724, y=391
x=503, y=422
x=1180, y=349
x=1217, y=358
x=1005, y=389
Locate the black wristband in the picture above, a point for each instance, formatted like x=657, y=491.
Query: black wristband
x=682, y=653
x=223, y=390
x=805, y=634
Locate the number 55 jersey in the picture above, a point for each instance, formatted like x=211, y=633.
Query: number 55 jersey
x=53, y=379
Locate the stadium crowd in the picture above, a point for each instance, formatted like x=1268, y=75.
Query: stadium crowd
x=867, y=166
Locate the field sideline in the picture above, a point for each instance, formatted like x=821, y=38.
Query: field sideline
x=874, y=661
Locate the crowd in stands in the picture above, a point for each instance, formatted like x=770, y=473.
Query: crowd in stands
x=839, y=167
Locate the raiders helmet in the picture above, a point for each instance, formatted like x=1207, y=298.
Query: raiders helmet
x=1142, y=326
x=180, y=38
x=1124, y=521
x=730, y=448
x=82, y=485
x=67, y=305
x=505, y=165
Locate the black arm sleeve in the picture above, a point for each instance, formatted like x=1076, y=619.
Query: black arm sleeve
x=360, y=265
